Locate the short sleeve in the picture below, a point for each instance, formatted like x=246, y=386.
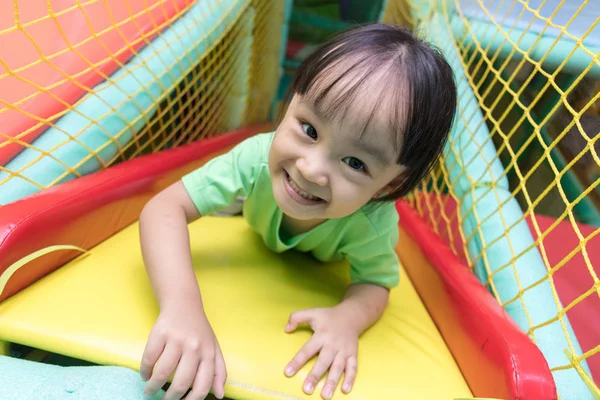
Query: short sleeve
x=372, y=253
x=216, y=184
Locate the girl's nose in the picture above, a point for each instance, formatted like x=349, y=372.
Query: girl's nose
x=313, y=171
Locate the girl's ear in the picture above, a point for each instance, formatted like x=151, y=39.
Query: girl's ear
x=390, y=187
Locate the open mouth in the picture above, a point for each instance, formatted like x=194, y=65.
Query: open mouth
x=299, y=194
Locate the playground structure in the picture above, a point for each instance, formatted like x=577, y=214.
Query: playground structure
x=514, y=197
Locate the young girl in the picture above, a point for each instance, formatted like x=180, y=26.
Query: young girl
x=370, y=112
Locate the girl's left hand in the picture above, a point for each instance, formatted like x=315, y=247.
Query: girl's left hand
x=336, y=341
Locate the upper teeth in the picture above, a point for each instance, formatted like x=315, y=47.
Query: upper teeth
x=301, y=192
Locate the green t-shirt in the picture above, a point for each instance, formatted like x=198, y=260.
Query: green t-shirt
x=366, y=239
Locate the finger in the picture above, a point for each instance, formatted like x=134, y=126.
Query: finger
x=298, y=318
x=152, y=351
x=333, y=377
x=308, y=351
x=220, y=378
x=349, y=374
x=204, y=378
x=318, y=370
x=165, y=366
x=184, y=376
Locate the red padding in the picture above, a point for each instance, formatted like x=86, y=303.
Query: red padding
x=496, y=358
x=86, y=211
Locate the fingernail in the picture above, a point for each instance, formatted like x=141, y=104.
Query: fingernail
x=149, y=392
x=289, y=370
x=309, y=387
x=346, y=388
x=327, y=393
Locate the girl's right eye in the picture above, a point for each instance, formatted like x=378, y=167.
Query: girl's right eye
x=310, y=131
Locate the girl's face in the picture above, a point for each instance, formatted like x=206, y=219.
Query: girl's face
x=322, y=169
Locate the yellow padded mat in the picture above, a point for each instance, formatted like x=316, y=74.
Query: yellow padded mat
x=100, y=307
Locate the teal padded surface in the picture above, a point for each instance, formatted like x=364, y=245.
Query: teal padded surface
x=285, y=30
x=28, y=380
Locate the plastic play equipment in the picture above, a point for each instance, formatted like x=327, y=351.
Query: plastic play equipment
x=522, y=69
x=507, y=199
x=122, y=105
x=223, y=58
x=99, y=307
x=83, y=43
x=24, y=379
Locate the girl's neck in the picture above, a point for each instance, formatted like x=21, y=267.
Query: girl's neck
x=293, y=227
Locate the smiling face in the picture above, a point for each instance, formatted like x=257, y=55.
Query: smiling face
x=371, y=113
x=323, y=169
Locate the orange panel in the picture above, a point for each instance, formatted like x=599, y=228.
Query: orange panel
x=62, y=48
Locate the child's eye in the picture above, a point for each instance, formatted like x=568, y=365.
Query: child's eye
x=355, y=163
x=310, y=131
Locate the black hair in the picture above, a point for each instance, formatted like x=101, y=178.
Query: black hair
x=417, y=81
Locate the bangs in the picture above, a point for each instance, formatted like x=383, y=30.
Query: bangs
x=367, y=89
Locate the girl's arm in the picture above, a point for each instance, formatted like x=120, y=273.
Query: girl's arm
x=182, y=340
x=363, y=305
x=166, y=247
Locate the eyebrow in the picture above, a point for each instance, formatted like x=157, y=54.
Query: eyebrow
x=375, y=151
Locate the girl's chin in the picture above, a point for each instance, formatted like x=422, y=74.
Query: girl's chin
x=297, y=211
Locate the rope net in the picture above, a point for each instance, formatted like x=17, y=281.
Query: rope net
x=531, y=69
x=86, y=84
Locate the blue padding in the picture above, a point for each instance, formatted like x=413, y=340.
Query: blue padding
x=21, y=379
x=282, y=84
x=287, y=13
x=131, y=93
x=493, y=224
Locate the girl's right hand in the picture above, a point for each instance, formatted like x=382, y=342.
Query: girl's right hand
x=184, y=344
